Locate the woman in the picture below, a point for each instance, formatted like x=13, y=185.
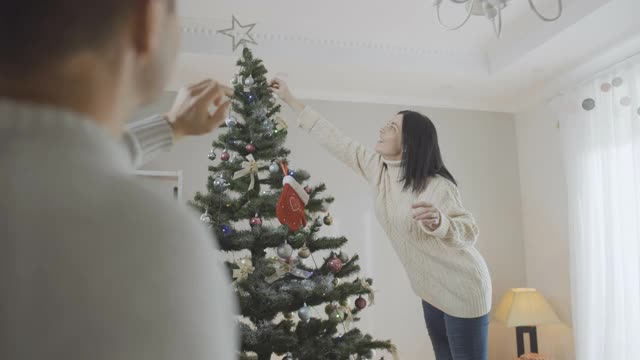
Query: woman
x=418, y=205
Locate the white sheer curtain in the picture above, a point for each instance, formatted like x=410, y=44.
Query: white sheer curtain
x=600, y=122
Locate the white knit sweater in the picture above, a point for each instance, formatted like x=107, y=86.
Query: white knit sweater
x=443, y=266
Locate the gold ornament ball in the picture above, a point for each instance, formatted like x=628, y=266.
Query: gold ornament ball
x=304, y=252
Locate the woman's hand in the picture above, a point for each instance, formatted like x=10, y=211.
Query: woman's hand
x=281, y=89
x=427, y=214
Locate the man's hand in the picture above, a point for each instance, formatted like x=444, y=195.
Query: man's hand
x=190, y=112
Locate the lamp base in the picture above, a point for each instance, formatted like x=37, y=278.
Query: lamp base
x=533, y=338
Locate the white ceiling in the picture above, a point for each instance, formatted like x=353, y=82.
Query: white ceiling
x=370, y=51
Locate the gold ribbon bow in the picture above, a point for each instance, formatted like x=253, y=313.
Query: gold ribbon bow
x=250, y=168
x=245, y=268
x=371, y=294
x=283, y=268
x=281, y=124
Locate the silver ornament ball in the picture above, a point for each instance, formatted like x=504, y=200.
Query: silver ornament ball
x=231, y=121
x=274, y=168
x=304, y=313
x=219, y=184
x=206, y=218
x=285, y=250
x=212, y=155
x=370, y=354
x=249, y=81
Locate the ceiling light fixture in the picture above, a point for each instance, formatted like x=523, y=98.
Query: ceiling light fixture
x=492, y=10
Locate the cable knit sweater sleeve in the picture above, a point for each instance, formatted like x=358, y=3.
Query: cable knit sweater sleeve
x=362, y=160
x=458, y=228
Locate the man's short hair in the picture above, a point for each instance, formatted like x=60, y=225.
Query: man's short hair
x=34, y=33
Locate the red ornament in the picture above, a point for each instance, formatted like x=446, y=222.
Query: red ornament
x=250, y=148
x=225, y=156
x=255, y=221
x=335, y=265
x=361, y=303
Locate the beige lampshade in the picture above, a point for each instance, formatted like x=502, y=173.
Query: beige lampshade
x=525, y=307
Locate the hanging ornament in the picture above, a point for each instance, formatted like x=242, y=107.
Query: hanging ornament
x=212, y=154
x=308, y=189
x=226, y=230
x=290, y=206
x=225, y=156
x=330, y=308
x=206, y=218
x=245, y=268
x=231, y=121
x=274, y=168
x=334, y=264
x=281, y=125
x=361, y=303
x=343, y=257
x=304, y=313
x=238, y=143
x=336, y=316
x=256, y=221
x=328, y=220
x=304, y=252
x=250, y=148
x=220, y=184
x=248, y=83
x=370, y=354
x=285, y=250
x=318, y=222
x=234, y=80
x=250, y=168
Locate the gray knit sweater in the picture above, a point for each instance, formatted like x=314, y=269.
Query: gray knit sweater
x=92, y=265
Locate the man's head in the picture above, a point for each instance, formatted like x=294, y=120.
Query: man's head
x=133, y=43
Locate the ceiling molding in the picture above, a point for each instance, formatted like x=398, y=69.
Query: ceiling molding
x=200, y=36
x=410, y=101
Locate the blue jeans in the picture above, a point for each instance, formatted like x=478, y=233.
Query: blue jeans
x=457, y=338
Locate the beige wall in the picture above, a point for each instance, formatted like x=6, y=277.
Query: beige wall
x=479, y=148
x=545, y=229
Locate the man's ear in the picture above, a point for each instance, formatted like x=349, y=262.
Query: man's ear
x=147, y=26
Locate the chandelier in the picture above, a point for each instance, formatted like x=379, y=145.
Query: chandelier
x=492, y=10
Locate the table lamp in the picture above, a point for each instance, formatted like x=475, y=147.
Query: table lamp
x=524, y=309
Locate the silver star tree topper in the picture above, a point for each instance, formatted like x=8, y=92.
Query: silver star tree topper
x=240, y=35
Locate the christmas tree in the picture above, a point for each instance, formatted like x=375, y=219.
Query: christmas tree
x=279, y=263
